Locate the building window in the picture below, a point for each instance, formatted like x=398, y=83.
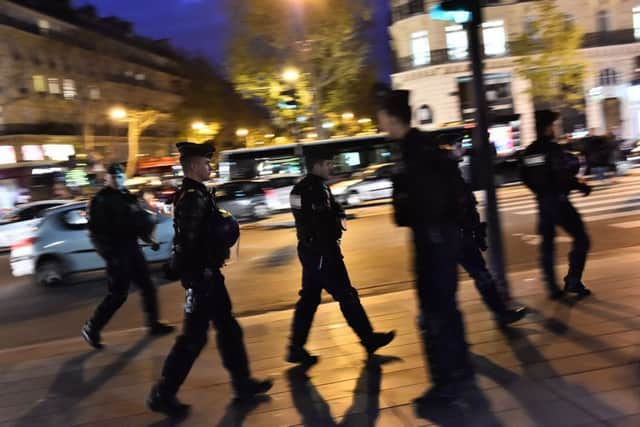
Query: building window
x=420, y=48
x=494, y=38
x=603, y=21
x=39, y=84
x=636, y=22
x=54, y=86
x=140, y=77
x=94, y=93
x=608, y=77
x=44, y=26
x=457, y=43
x=68, y=89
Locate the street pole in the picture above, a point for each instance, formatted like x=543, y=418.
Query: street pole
x=485, y=153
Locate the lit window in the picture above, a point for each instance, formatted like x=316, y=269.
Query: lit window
x=44, y=25
x=636, y=22
x=494, y=37
x=68, y=89
x=54, y=86
x=94, y=93
x=420, y=48
x=140, y=77
x=603, y=21
x=39, y=84
x=457, y=43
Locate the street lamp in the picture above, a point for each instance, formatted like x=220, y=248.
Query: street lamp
x=242, y=132
x=364, y=121
x=198, y=126
x=118, y=113
x=290, y=75
x=347, y=116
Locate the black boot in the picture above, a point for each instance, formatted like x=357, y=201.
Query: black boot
x=169, y=405
x=511, y=315
x=378, y=340
x=91, y=335
x=248, y=388
x=554, y=292
x=157, y=329
x=576, y=287
x=297, y=354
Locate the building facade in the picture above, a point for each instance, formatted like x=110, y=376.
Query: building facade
x=60, y=79
x=432, y=58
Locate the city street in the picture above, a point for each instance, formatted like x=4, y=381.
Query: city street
x=264, y=274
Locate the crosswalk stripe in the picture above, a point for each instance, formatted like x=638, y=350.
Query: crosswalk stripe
x=590, y=210
x=613, y=215
x=628, y=224
x=580, y=203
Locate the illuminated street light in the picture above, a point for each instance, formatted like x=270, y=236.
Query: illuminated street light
x=118, y=113
x=270, y=135
x=198, y=125
x=242, y=132
x=290, y=75
x=364, y=121
x=327, y=125
x=312, y=135
x=347, y=116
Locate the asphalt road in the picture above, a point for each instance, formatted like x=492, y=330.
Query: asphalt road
x=265, y=274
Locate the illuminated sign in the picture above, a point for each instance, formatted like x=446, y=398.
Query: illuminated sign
x=7, y=154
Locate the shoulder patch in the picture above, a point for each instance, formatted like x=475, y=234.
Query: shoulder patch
x=534, y=160
x=296, y=201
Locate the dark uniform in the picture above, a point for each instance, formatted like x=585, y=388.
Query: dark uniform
x=550, y=172
x=318, y=224
x=429, y=196
x=474, y=242
x=116, y=221
x=198, y=260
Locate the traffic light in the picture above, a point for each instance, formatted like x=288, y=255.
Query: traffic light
x=289, y=99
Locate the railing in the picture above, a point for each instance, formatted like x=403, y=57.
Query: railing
x=408, y=9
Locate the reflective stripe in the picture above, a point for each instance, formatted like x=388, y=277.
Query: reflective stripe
x=535, y=160
x=296, y=201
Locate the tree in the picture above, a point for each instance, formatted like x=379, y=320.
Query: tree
x=549, y=57
x=137, y=122
x=322, y=39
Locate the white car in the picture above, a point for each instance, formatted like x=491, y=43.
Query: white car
x=372, y=183
x=60, y=246
x=19, y=223
x=277, y=191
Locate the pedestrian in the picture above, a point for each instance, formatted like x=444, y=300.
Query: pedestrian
x=202, y=241
x=474, y=242
x=550, y=173
x=116, y=222
x=429, y=197
x=320, y=222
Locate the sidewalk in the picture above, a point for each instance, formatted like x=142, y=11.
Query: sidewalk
x=566, y=364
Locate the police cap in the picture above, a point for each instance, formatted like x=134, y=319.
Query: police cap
x=545, y=118
x=190, y=149
x=115, y=169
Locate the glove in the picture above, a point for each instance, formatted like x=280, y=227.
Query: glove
x=480, y=236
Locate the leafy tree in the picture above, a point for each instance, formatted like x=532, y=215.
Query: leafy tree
x=322, y=39
x=548, y=56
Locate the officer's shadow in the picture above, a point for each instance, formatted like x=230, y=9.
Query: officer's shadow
x=71, y=387
x=316, y=412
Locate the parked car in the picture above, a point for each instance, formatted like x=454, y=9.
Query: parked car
x=278, y=189
x=245, y=199
x=60, y=246
x=18, y=224
x=372, y=183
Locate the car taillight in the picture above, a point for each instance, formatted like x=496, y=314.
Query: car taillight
x=23, y=243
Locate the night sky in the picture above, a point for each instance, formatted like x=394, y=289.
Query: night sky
x=201, y=25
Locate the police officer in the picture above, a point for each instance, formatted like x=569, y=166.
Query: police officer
x=474, y=242
x=550, y=172
x=198, y=259
x=116, y=222
x=320, y=221
x=429, y=197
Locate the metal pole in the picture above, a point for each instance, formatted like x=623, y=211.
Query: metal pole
x=485, y=153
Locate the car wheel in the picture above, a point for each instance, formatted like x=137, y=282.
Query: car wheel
x=50, y=272
x=260, y=211
x=353, y=199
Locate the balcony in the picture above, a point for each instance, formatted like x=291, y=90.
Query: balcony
x=438, y=57
x=409, y=9
x=608, y=38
